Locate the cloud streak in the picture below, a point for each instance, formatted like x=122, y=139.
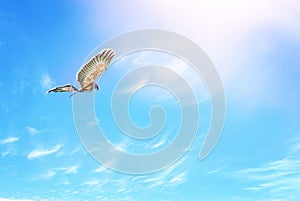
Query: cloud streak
x=32, y=131
x=12, y=199
x=280, y=178
x=41, y=153
x=48, y=175
x=69, y=170
x=5, y=153
x=100, y=169
x=171, y=176
x=215, y=170
x=9, y=140
x=93, y=182
x=46, y=81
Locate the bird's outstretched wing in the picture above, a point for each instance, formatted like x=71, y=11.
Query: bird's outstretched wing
x=95, y=67
x=65, y=88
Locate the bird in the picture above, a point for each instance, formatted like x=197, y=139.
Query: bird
x=88, y=73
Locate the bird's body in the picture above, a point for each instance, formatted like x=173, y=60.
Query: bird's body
x=65, y=88
x=88, y=73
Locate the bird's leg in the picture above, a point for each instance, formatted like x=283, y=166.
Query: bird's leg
x=80, y=90
x=74, y=88
x=74, y=93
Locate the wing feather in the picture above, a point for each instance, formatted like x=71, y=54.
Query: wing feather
x=95, y=67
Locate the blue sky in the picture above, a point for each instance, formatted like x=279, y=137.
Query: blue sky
x=255, y=45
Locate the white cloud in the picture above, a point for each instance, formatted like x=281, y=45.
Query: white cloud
x=171, y=176
x=179, y=178
x=9, y=140
x=294, y=145
x=279, y=165
x=13, y=199
x=132, y=87
x=46, y=81
x=280, y=178
x=215, y=170
x=122, y=145
x=159, y=143
x=93, y=182
x=69, y=170
x=142, y=59
x=5, y=153
x=54, y=171
x=100, y=169
x=32, y=131
x=43, y=152
x=186, y=73
x=76, y=150
x=295, y=148
x=48, y=175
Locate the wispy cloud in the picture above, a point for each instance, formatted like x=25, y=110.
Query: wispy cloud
x=47, y=175
x=13, y=199
x=186, y=74
x=179, y=178
x=70, y=170
x=100, y=169
x=43, y=152
x=50, y=173
x=46, y=81
x=92, y=182
x=294, y=145
x=159, y=143
x=215, y=170
x=5, y=153
x=129, y=88
x=32, y=131
x=141, y=58
x=171, y=176
x=9, y=140
x=280, y=178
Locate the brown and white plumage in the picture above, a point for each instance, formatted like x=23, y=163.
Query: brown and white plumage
x=89, y=72
x=95, y=67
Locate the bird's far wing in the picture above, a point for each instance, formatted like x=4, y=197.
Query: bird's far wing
x=95, y=67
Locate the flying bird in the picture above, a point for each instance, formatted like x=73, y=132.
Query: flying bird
x=88, y=73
